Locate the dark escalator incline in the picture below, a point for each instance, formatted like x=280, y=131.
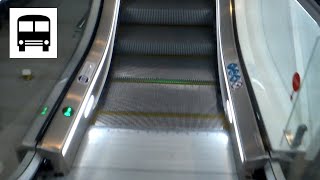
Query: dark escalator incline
x=164, y=68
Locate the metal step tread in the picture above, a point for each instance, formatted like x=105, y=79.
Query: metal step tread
x=168, y=98
x=179, y=12
x=194, y=68
x=165, y=40
x=163, y=81
x=161, y=121
x=131, y=154
x=168, y=4
x=161, y=106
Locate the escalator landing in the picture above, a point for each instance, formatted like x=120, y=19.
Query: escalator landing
x=132, y=154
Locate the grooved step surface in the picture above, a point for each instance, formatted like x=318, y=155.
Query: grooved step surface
x=162, y=98
x=162, y=121
x=179, y=12
x=164, y=67
x=165, y=40
x=163, y=81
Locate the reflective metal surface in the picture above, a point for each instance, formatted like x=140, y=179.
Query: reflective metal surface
x=28, y=167
x=273, y=171
x=130, y=154
x=64, y=135
x=29, y=140
x=248, y=141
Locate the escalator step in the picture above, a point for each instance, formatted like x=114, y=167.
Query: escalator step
x=165, y=40
x=169, y=98
x=196, y=68
x=161, y=106
x=163, y=81
x=179, y=12
x=161, y=121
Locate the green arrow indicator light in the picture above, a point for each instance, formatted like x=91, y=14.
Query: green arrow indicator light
x=67, y=111
x=44, y=110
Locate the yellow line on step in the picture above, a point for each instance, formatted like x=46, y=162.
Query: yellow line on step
x=163, y=115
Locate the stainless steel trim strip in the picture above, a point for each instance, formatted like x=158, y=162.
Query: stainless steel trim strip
x=237, y=101
x=28, y=167
x=273, y=171
x=64, y=134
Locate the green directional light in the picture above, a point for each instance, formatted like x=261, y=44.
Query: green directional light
x=44, y=110
x=67, y=111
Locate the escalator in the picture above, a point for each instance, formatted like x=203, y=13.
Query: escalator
x=163, y=89
x=159, y=113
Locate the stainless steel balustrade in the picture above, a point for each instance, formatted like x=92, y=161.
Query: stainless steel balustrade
x=64, y=134
x=244, y=129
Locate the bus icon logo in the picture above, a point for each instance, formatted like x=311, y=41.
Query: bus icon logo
x=33, y=33
x=33, y=30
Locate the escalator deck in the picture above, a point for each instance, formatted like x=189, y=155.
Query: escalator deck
x=164, y=68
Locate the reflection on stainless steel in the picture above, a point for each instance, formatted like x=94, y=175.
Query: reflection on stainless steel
x=246, y=133
x=74, y=97
x=89, y=106
x=230, y=112
x=289, y=136
x=258, y=83
x=67, y=132
x=83, y=20
x=295, y=140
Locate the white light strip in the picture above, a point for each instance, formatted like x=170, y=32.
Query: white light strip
x=94, y=80
x=229, y=111
x=89, y=106
x=228, y=89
